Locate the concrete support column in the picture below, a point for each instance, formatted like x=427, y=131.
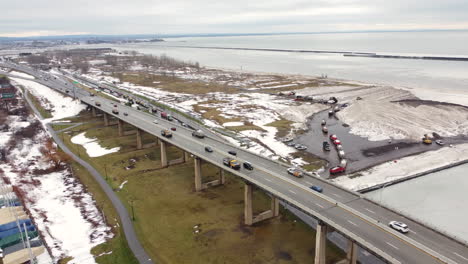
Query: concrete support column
x=120, y=124
x=164, y=162
x=93, y=110
x=351, y=255
x=186, y=156
x=248, y=208
x=222, y=178
x=138, y=138
x=198, y=176
x=275, y=206
x=106, y=119
x=321, y=243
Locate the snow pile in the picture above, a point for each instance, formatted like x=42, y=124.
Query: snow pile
x=61, y=106
x=65, y=214
x=379, y=116
x=93, y=149
x=230, y=124
x=404, y=167
x=22, y=74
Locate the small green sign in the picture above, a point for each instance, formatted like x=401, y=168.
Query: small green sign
x=6, y=95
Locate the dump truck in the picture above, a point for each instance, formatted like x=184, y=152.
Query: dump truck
x=232, y=163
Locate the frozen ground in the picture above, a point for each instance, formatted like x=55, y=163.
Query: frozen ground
x=60, y=106
x=404, y=167
x=93, y=149
x=65, y=214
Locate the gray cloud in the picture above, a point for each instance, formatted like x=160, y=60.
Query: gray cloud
x=246, y=16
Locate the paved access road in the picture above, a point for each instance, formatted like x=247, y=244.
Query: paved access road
x=350, y=214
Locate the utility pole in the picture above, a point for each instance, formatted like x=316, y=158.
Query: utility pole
x=133, y=211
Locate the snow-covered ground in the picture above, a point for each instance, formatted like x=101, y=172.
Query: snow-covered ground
x=404, y=167
x=65, y=214
x=61, y=106
x=93, y=149
x=22, y=74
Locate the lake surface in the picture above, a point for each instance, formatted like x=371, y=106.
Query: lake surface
x=438, y=198
x=435, y=76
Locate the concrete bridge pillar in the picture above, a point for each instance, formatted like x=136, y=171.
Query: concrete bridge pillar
x=351, y=255
x=106, y=119
x=248, y=208
x=222, y=178
x=93, y=110
x=249, y=218
x=138, y=138
x=321, y=243
x=186, y=156
x=120, y=124
x=163, y=146
x=198, y=176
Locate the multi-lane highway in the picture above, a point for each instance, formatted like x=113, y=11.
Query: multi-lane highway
x=347, y=212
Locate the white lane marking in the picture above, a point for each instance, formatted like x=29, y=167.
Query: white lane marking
x=352, y=223
x=308, y=183
x=321, y=206
x=268, y=179
x=292, y=191
x=411, y=231
x=336, y=195
x=460, y=256
x=369, y=210
x=392, y=246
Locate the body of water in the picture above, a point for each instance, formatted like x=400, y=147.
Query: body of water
x=438, y=78
x=438, y=198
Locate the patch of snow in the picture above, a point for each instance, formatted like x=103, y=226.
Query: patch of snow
x=22, y=74
x=65, y=214
x=229, y=124
x=61, y=106
x=93, y=149
x=122, y=185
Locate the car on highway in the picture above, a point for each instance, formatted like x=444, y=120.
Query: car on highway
x=173, y=128
x=248, y=165
x=316, y=188
x=333, y=137
x=155, y=121
x=232, y=163
x=115, y=111
x=97, y=103
x=337, y=142
x=295, y=172
x=439, y=142
x=208, y=149
x=399, y=226
x=198, y=134
x=125, y=114
x=166, y=133
x=324, y=129
x=232, y=152
x=337, y=169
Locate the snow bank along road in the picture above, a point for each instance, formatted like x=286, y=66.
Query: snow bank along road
x=347, y=212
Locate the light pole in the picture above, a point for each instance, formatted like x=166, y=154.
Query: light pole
x=133, y=212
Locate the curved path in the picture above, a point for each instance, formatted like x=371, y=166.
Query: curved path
x=125, y=219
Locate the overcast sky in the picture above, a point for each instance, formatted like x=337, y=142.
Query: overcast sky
x=60, y=17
